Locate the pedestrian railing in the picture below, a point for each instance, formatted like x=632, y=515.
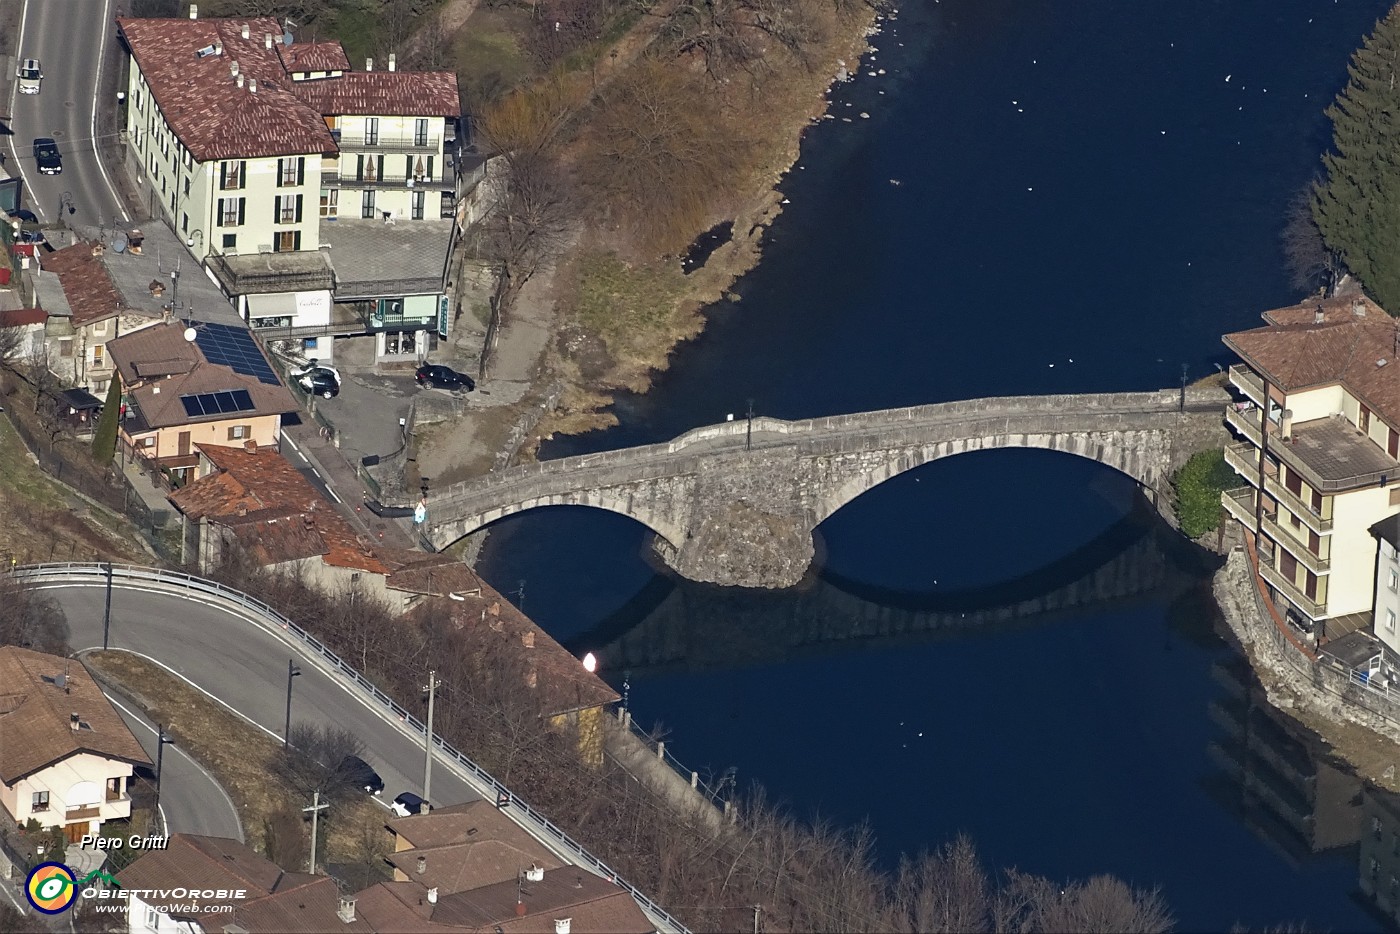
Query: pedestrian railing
x=258, y=612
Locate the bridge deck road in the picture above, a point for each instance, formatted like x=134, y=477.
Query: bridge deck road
x=246, y=668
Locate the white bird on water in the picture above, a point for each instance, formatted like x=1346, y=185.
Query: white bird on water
x=1229, y=76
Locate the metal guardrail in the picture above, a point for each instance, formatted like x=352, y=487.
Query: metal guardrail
x=260, y=613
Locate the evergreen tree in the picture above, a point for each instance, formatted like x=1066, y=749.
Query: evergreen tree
x=104, y=440
x=1357, y=207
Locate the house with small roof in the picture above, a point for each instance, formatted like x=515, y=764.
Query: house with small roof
x=263, y=897
x=1317, y=429
x=23, y=338
x=186, y=384
x=86, y=312
x=251, y=498
x=66, y=755
x=298, y=181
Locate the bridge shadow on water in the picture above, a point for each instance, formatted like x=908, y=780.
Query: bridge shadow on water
x=674, y=624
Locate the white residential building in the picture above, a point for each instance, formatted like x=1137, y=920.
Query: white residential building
x=321, y=199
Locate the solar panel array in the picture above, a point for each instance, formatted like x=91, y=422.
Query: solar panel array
x=234, y=348
x=217, y=403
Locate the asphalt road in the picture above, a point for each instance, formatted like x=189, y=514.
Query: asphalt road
x=70, y=38
x=245, y=667
x=190, y=799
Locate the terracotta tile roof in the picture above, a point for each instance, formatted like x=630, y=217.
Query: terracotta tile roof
x=35, y=715
x=401, y=908
x=142, y=356
x=276, y=901
x=595, y=905
x=384, y=93
x=312, y=56
x=1297, y=351
x=211, y=115
x=91, y=293
x=487, y=619
x=466, y=846
x=23, y=317
x=431, y=575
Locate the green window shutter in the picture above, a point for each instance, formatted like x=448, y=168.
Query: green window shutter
x=279, y=170
x=299, y=198
x=277, y=210
x=242, y=210
x=301, y=170
x=296, y=240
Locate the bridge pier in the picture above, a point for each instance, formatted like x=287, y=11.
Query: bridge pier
x=742, y=545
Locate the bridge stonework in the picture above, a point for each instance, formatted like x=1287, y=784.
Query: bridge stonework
x=738, y=508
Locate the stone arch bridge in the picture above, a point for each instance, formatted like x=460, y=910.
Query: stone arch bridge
x=736, y=503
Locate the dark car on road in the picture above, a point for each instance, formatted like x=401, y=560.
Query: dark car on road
x=317, y=379
x=443, y=377
x=46, y=155
x=361, y=774
x=408, y=804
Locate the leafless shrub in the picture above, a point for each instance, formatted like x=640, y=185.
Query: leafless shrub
x=31, y=620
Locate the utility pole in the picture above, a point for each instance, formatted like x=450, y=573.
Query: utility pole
x=107, y=610
x=161, y=742
x=748, y=432
x=1182, y=406
x=431, y=687
x=316, y=808
x=292, y=671
x=757, y=910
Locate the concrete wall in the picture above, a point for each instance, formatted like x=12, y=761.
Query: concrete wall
x=1352, y=582
x=266, y=430
x=1387, y=599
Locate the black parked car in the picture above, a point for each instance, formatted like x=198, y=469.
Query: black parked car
x=318, y=379
x=361, y=774
x=443, y=377
x=46, y=154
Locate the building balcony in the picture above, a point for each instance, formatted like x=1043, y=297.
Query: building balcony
x=1243, y=458
x=1246, y=422
x=1299, y=550
x=1248, y=383
x=1291, y=592
x=382, y=142
x=334, y=179
x=1302, y=510
x=1239, y=503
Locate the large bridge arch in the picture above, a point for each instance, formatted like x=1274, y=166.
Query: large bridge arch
x=1138, y=455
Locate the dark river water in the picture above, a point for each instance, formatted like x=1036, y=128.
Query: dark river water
x=1046, y=197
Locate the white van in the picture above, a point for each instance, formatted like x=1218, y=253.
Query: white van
x=29, y=74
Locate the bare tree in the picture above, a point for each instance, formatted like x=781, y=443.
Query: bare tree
x=12, y=343
x=315, y=760
x=1311, y=264
x=284, y=838
x=529, y=224
x=31, y=620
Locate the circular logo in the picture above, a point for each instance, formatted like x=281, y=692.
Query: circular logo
x=51, y=888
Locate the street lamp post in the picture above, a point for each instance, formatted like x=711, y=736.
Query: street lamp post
x=107, y=609
x=292, y=672
x=161, y=742
x=431, y=687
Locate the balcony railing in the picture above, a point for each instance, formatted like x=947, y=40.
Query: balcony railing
x=383, y=142
x=1246, y=422
x=1243, y=458
x=1239, y=503
x=1297, y=549
x=1302, y=510
x=1290, y=590
x=1244, y=379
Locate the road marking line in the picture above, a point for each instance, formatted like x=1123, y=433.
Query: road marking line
x=14, y=95
x=96, y=85
x=331, y=490
x=6, y=889
x=141, y=719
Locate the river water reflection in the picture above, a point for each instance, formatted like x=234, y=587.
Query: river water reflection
x=1048, y=197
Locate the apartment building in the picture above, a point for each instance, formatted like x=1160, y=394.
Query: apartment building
x=1318, y=432
x=321, y=199
x=66, y=755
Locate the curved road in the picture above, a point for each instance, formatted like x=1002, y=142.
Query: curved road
x=245, y=667
x=72, y=39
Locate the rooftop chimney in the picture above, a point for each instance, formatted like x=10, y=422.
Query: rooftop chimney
x=251, y=446
x=239, y=81
x=245, y=30
x=534, y=874
x=233, y=67
x=1358, y=307
x=194, y=11
x=422, y=865
x=73, y=721
x=520, y=909
x=346, y=911
x=561, y=925
x=369, y=64
x=432, y=895
x=253, y=85
x=393, y=60
x=528, y=637
x=1319, y=314
x=218, y=47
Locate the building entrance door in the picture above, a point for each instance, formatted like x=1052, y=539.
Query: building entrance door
x=74, y=832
